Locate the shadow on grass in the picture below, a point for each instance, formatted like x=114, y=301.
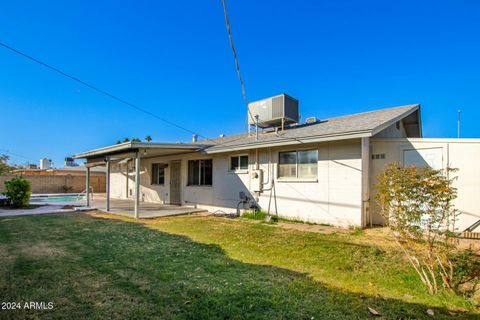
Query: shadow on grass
x=98, y=268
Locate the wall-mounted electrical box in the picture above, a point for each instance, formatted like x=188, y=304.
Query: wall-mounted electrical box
x=257, y=180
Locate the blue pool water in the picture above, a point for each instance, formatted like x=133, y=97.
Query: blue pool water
x=67, y=198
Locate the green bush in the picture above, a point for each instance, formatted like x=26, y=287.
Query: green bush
x=18, y=191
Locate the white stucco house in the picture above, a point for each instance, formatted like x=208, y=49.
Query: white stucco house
x=322, y=171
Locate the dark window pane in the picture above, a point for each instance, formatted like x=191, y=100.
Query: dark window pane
x=287, y=167
x=288, y=157
x=307, y=164
x=196, y=172
x=161, y=175
x=233, y=163
x=190, y=172
x=154, y=173
x=193, y=172
x=200, y=172
x=208, y=172
x=309, y=156
x=243, y=162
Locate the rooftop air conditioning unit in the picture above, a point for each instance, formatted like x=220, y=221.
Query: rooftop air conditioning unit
x=274, y=112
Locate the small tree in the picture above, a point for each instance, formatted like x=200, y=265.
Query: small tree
x=126, y=140
x=4, y=166
x=136, y=140
x=148, y=138
x=417, y=206
x=18, y=191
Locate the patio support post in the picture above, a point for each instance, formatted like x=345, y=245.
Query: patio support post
x=107, y=185
x=87, y=186
x=137, y=184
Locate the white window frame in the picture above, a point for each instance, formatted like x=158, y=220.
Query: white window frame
x=296, y=178
x=239, y=170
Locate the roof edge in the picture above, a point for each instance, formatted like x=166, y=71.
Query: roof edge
x=386, y=124
x=129, y=146
x=289, y=141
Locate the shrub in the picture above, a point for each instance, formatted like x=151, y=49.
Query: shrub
x=417, y=206
x=18, y=191
x=4, y=166
x=466, y=278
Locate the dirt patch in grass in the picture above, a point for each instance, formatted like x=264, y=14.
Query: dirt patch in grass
x=41, y=250
x=311, y=228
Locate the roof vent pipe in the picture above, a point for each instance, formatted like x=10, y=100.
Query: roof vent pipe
x=194, y=137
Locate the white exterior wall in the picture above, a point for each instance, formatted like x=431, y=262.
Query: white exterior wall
x=335, y=197
x=223, y=194
x=462, y=154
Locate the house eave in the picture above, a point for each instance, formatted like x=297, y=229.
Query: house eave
x=289, y=141
x=132, y=147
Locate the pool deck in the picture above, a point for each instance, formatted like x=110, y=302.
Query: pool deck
x=148, y=210
x=43, y=209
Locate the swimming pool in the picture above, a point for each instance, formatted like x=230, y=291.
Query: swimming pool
x=57, y=198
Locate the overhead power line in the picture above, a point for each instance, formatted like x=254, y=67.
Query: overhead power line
x=105, y=93
x=237, y=66
x=97, y=89
x=16, y=155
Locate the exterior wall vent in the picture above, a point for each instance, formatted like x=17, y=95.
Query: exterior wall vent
x=274, y=111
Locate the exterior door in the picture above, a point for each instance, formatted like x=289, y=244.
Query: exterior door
x=175, y=182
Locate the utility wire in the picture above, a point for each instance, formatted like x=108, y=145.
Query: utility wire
x=237, y=66
x=136, y=107
x=16, y=155
x=101, y=91
x=112, y=96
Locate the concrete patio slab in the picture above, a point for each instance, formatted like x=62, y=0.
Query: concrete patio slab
x=148, y=210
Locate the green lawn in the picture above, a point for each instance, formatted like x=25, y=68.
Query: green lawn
x=205, y=267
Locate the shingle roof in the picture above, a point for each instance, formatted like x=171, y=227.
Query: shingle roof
x=360, y=124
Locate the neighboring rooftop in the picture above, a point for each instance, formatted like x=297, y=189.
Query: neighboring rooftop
x=78, y=170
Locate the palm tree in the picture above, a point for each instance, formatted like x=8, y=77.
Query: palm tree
x=148, y=138
x=136, y=140
x=126, y=140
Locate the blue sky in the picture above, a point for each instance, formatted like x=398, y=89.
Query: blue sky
x=173, y=58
